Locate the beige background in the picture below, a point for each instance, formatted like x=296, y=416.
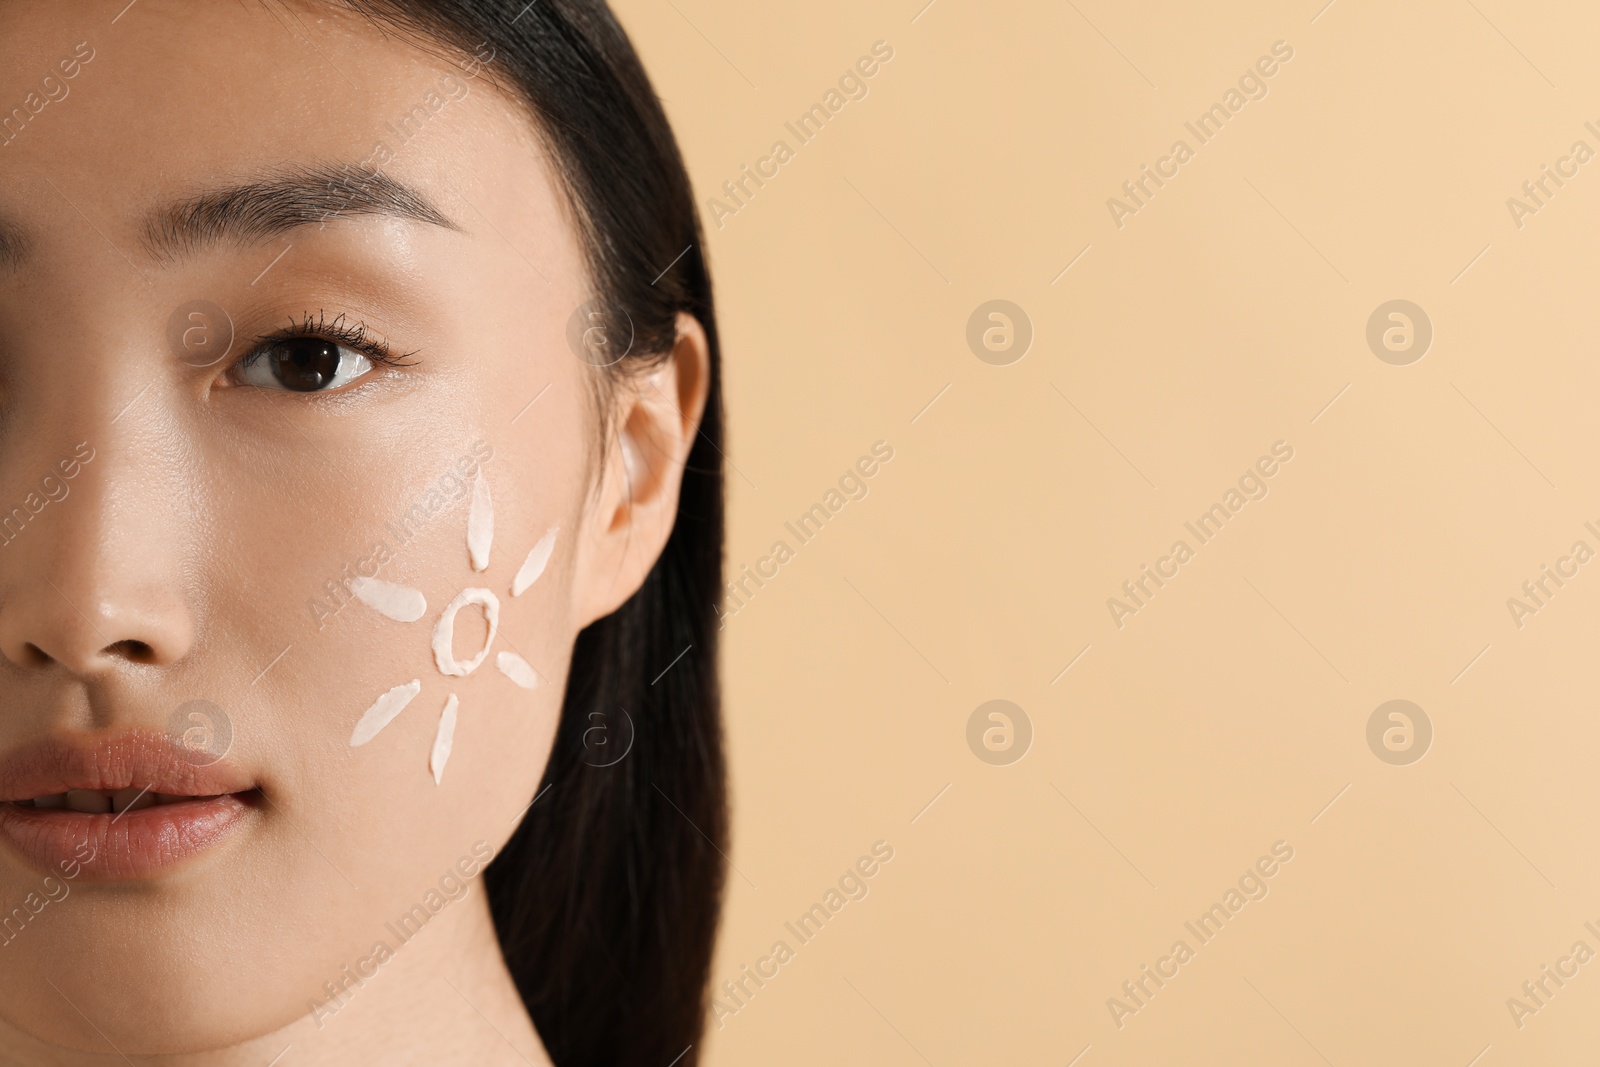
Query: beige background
x=1222, y=317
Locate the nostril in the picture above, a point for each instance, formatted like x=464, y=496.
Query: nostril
x=130, y=651
x=135, y=651
x=43, y=629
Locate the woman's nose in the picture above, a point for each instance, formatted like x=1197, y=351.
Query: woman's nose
x=91, y=559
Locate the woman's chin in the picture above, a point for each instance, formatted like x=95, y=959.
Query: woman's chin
x=164, y=968
x=164, y=1007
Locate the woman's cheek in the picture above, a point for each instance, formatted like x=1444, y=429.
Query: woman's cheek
x=444, y=658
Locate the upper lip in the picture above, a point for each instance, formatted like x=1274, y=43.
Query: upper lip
x=111, y=762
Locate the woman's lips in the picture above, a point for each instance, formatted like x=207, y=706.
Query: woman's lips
x=124, y=807
x=139, y=843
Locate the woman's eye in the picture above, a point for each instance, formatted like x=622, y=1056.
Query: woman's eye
x=303, y=365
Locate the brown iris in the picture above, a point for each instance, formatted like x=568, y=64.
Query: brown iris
x=304, y=364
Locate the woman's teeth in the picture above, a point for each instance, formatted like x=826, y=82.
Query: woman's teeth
x=103, y=801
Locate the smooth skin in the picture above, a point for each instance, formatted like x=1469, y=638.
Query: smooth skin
x=183, y=562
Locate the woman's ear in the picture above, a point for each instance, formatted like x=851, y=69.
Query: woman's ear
x=655, y=417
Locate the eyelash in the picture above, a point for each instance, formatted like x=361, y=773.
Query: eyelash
x=352, y=335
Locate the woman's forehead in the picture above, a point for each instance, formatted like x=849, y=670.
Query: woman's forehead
x=241, y=87
x=271, y=118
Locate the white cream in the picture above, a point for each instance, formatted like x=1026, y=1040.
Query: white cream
x=444, y=632
x=443, y=740
x=480, y=524
x=517, y=669
x=534, y=565
x=399, y=602
x=383, y=711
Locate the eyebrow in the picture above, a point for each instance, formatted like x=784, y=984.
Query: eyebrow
x=255, y=211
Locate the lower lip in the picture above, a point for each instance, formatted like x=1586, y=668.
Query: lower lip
x=135, y=844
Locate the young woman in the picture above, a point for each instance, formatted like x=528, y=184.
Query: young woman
x=360, y=531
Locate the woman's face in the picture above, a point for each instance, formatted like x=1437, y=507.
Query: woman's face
x=181, y=519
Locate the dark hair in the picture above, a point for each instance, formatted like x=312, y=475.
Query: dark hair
x=606, y=897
